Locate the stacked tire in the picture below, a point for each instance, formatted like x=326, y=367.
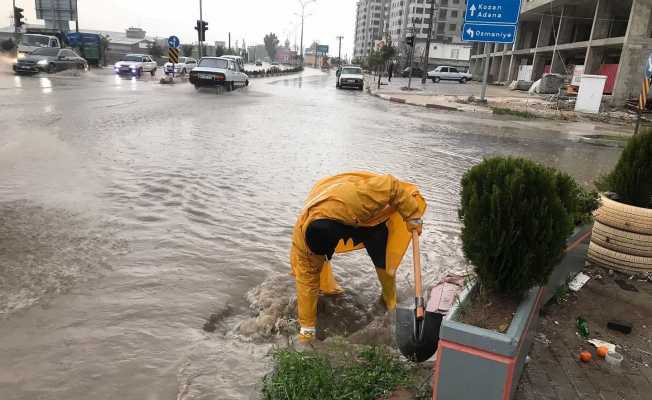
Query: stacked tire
x=622, y=237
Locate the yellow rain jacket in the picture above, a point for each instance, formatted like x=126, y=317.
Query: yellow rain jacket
x=357, y=199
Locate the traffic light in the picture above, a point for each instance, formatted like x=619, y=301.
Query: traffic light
x=201, y=28
x=18, y=17
x=409, y=40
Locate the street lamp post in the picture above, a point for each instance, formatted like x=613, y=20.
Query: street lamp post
x=303, y=3
x=339, y=50
x=201, y=18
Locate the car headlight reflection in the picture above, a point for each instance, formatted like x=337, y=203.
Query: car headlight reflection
x=42, y=62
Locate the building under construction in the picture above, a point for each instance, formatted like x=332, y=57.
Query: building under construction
x=574, y=37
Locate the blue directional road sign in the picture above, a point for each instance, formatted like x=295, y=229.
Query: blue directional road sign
x=322, y=48
x=489, y=33
x=492, y=11
x=173, y=42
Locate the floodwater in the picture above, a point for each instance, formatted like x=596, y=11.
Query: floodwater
x=131, y=211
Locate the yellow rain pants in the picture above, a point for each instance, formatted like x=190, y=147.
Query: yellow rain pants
x=358, y=199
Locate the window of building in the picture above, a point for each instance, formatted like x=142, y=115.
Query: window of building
x=454, y=14
x=443, y=14
x=441, y=27
x=418, y=10
x=452, y=27
x=455, y=54
x=444, y=3
x=456, y=1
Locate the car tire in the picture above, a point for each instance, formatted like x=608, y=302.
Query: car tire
x=247, y=82
x=229, y=86
x=51, y=69
x=361, y=87
x=463, y=81
x=436, y=79
x=196, y=87
x=153, y=71
x=184, y=72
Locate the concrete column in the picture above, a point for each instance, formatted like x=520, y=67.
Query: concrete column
x=636, y=49
x=494, y=68
x=504, y=66
x=514, y=64
x=545, y=31
x=600, y=28
x=593, y=60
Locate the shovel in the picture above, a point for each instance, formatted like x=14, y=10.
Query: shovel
x=417, y=330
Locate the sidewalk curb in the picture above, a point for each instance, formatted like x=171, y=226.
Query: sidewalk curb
x=403, y=101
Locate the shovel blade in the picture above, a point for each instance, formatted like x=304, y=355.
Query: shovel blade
x=417, y=339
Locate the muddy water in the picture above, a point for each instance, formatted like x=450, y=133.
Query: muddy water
x=131, y=212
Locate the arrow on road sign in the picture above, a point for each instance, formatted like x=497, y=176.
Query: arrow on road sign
x=472, y=9
x=470, y=32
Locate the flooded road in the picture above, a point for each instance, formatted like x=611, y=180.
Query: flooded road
x=131, y=211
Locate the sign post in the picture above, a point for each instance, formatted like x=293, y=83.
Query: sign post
x=173, y=51
x=490, y=21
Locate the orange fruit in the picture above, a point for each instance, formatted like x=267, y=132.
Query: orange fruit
x=585, y=356
x=602, y=351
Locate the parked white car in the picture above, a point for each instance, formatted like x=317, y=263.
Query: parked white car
x=184, y=66
x=446, y=73
x=349, y=76
x=135, y=64
x=218, y=71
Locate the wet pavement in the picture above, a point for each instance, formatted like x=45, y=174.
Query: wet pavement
x=132, y=211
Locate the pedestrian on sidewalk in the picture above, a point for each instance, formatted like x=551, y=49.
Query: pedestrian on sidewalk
x=390, y=70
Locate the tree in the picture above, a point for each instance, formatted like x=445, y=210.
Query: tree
x=271, y=44
x=187, y=49
x=155, y=50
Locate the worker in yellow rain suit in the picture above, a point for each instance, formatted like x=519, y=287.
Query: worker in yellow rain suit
x=349, y=212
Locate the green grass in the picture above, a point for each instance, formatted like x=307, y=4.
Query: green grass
x=368, y=374
x=515, y=113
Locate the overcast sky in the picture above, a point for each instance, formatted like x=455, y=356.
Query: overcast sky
x=248, y=19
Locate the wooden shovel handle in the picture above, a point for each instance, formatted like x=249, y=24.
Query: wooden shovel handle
x=416, y=260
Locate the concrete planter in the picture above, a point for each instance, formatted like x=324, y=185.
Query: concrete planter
x=475, y=363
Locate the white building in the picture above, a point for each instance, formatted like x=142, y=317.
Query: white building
x=370, y=25
x=414, y=16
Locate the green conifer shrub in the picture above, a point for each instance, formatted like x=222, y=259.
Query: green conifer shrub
x=516, y=217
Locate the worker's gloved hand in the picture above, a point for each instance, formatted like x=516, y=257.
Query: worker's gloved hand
x=415, y=225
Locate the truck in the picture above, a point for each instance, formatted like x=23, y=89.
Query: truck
x=29, y=42
x=87, y=44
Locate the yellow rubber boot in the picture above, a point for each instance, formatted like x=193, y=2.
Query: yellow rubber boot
x=388, y=284
x=327, y=283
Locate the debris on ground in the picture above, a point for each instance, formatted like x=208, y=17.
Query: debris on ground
x=579, y=281
x=601, y=343
x=620, y=326
x=555, y=371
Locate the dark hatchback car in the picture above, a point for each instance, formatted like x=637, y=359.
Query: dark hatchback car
x=50, y=60
x=418, y=72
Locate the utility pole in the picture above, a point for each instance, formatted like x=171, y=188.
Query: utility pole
x=201, y=42
x=339, y=50
x=316, y=45
x=426, y=58
x=304, y=3
x=229, y=41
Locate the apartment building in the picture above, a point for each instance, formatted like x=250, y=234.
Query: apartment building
x=370, y=25
x=606, y=37
x=413, y=16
